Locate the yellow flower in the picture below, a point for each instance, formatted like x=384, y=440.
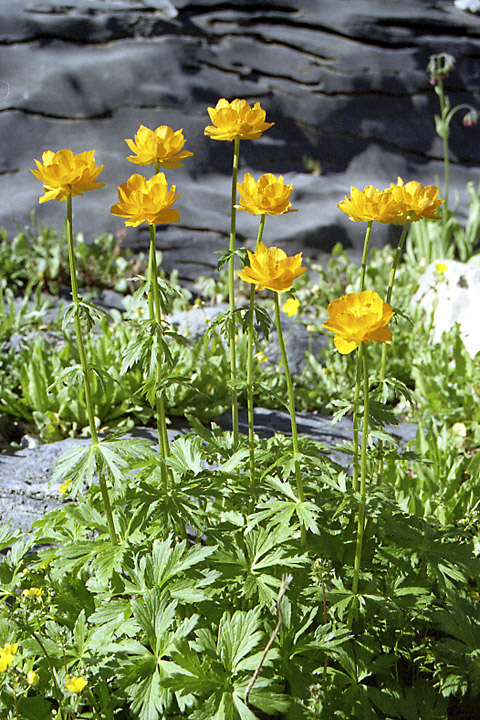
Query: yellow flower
x=63, y=174
x=33, y=592
x=261, y=357
x=236, y=119
x=369, y=204
x=459, y=428
x=75, y=684
x=267, y=196
x=149, y=201
x=271, y=268
x=162, y=146
x=357, y=318
x=6, y=656
x=396, y=204
x=441, y=268
x=33, y=678
x=415, y=201
x=64, y=486
x=291, y=307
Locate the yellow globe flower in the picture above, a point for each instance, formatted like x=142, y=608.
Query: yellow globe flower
x=370, y=204
x=65, y=174
x=33, y=678
x=266, y=196
x=415, y=201
x=162, y=147
x=291, y=307
x=236, y=119
x=271, y=268
x=75, y=684
x=149, y=201
x=357, y=318
x=6, y=656
x=33, y=592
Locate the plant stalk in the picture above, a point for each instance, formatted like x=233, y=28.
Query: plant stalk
x=366, y=243
x=363, y=482
x=85, y=368
x=291, y=405
x=231, y=291
x=251, y=420
x=156, y=317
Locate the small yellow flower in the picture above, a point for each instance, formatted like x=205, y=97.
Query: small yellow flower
x=271, y=268
x=33, y=678
x=415, y=201
x=357, y=318
x=369, y=204
x=291, y=307
x=149, y=201
x=261, y=357
x=6, y=656
x=236, y=119
x=441, y=268
x=459, y=428
x=65, y=174
x=310, y=328
x=62, y=490
x=162, y=147
x=34, y=592
x=267, y=196
x=75, y=684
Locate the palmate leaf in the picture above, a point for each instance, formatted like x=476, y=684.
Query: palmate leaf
x=217, y=671
x=186, y=455
x=166, y=568
x=78, y=464
x=150, y=666
x=251, y=566
x=238, y=635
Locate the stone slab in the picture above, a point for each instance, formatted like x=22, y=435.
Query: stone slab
x=344, y=82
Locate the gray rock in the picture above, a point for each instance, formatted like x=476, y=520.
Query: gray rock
x=450, y=297
x=345, y=84
x=26, y=493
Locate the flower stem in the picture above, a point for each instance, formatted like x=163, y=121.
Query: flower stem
x=231, y=291
x=251, y=425
x=85, y=368
x=363, y=481
x=356, y=398
x=445, y=137
x=291, y=405
x=366, y=243
x=156, y=317
x=391, y=282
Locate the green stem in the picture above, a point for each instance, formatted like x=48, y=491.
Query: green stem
x=366, y=243
x=445, y=138
x=49, y=663
x=291, y=405
x=391, y=282
x=356, y=398
x=231, y=291
x=251, y=421
x=363, y=482
x=85, y=368
x=156, y=318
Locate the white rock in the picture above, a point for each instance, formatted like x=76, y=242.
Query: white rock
x=452, y=296
x=471, y=5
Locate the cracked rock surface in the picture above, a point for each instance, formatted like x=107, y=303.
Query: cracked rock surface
x=345, y=83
